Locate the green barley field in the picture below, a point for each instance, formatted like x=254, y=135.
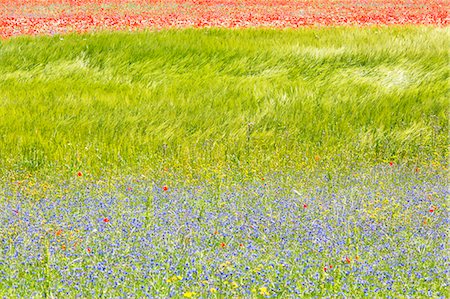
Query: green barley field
x=211, y=99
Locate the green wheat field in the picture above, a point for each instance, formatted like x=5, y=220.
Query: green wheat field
x=264, y=98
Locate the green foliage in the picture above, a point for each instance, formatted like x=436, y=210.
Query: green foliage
x=219, y=99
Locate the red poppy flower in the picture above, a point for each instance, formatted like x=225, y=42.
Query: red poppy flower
x=89, y=250
x=331, y=266
x=391, y=163
x=223, y=245
x=80, y=173
x=325, y=269
x=305, y=206
x=165, y=188
x=106, y=219
x=347, y=260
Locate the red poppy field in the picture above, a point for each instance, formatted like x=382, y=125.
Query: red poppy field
x=63, y=16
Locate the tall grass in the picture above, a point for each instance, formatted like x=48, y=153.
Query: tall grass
x=221, y=99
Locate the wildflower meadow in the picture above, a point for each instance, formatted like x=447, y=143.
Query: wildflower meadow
x=224, y=149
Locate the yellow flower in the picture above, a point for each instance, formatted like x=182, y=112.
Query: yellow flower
x=234, y=285
x=189, y=294
x=263, y=291
x=174, y=278
x=213, y=290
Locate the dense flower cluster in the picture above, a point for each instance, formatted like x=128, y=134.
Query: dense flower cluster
x=365, y=233
x=19, y=17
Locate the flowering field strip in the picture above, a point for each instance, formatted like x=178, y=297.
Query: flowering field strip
x=373, y=232
x=63, y=16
